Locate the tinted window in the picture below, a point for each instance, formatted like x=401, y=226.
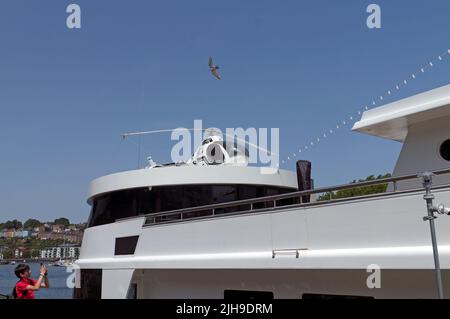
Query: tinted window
x=444, y=150
x=126, y=245
x=141, y=201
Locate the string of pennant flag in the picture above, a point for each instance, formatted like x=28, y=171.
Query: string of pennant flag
x=354, y=117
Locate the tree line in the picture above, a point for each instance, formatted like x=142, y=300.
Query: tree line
x=32, y=223
x=357, y=191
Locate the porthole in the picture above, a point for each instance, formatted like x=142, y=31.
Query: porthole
x=444, y=150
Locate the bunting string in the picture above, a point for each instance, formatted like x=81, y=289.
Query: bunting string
x=351, y=119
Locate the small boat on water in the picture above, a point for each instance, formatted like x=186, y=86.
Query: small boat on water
x=61, y=263
x=13, y=262
x=57, y=263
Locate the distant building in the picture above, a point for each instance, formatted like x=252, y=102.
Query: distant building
x=18, y=252
x=10, y=233
x=44, y=235
x=26, y=233
x=61, y=252
x=58, y=228
x=39, y=229
x=16, y=233
x=73, y=237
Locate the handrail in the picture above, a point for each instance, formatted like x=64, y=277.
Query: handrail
x=275, y=198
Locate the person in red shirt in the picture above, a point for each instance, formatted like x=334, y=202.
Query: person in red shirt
x=26, y=286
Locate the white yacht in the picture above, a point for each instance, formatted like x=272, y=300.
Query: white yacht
x=199, y=230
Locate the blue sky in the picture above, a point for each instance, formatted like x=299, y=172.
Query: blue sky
x=67, y=95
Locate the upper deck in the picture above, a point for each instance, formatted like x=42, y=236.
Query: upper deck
x=192, y=175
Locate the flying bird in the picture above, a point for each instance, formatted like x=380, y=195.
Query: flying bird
x=214, y=68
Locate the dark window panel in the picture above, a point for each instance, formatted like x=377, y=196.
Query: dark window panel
x=90, y=284
x=141, y=201
x=126, y=245
x=444, y=150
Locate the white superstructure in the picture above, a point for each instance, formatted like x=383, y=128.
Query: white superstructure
x=145, y=239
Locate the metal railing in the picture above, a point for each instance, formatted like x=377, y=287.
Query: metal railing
x=261, y=204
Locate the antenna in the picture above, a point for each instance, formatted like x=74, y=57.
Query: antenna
x=125, y=135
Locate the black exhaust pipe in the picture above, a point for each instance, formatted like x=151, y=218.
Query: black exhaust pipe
x=304, y=180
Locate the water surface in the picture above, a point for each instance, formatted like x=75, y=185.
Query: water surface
x=57, y=277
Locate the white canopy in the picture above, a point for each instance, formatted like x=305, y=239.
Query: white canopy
x=391, y=121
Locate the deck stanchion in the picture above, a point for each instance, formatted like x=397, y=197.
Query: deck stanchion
x=427, y=180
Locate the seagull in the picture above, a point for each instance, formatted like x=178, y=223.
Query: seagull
x=213, y=68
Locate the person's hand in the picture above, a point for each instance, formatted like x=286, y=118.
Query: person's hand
x=43, y=270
